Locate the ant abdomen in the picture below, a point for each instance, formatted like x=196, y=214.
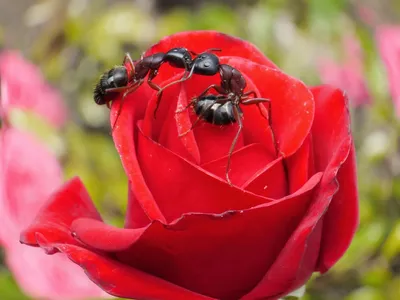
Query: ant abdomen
x=213, y=112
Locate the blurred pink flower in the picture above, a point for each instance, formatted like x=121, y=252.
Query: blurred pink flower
x=348, y=75
x=28, y=174
x=27, y=89
x=366, y=13
x=388, y=41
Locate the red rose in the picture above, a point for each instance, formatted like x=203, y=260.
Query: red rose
x=189, y=235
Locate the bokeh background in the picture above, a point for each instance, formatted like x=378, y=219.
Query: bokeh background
x=319, y=41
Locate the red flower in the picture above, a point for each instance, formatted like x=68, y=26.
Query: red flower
x=189, y=235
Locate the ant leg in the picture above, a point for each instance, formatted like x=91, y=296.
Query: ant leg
x=213, y=50
x=129, y=59
x=208, y=50
x=153, y=85
x=184, y=78
x=131, y=89
x=156, y=87
x=258, y=101
x=247, y=94
x=255, y=101
x=216, y=87
x=222, y=100
x=116, y=90
x=238, y=118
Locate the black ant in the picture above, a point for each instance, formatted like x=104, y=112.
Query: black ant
x=119, y=79
x=224, y=108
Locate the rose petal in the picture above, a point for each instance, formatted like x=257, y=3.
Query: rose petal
x=154, y=125
x=332, y=144
x=118, y=279
x=191, y=188
x=299, y=259
x=200, y=41
x=245, y=163
x=337, y=232
x=133, y=109
x=185, y=146
x=184, y=252
x=104, y=237
x=206, y=139
x=291, y=103
x=70, y=202
x=270, y=181
x=215, y=141
x=135, y=215
x=299, y=165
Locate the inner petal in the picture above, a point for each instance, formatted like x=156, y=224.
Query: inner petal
x=245, y=163
x=181, y=187
x=270, y=181
x=292, y=103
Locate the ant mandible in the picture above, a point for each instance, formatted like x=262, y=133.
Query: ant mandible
x=119, y=79
x=224, y=108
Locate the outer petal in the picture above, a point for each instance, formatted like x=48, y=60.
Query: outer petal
x=118, y=279
x=54, y=220
x=337, y=232
x=133, y=108
x=207, y=254
x=332, y=144
x=52, y=232
x=138, y=218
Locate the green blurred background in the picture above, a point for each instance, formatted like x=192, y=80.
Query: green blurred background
x=74, y=41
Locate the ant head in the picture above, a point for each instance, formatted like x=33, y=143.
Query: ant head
x=118, y=76
x=206, y=63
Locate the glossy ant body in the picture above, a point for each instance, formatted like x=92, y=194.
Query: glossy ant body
x=119, y=79
x=223, y=109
